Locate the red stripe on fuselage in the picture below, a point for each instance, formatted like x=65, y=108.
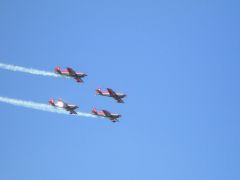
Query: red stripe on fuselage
x=101, y=113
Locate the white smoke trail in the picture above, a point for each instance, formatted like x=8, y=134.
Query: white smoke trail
x=26, y=70
x=38, y=106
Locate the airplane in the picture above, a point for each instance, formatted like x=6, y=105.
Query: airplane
x=60, y=104
x=69, y=72
x=112, y=116
x=110, y=93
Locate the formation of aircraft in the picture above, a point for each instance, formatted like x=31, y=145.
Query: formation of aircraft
x=63, y=105
x=110, y=93
x=104, y=113
x=69, y=72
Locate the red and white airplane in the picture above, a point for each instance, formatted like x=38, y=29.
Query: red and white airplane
x=69, y=72
x=60, y=104
x=110, y=93
x=112, y=116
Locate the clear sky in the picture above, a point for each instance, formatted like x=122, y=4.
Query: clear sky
x=178, y=61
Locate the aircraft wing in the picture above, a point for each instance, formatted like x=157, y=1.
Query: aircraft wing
x=111, y=92
x=107, y=113
x=119, y=100
x=71, y=106
x=78, y=79
x=114, y=95
x=71, y=71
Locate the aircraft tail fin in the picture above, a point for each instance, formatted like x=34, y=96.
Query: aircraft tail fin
x=98, y=91
x=94, y=110
x=51, y=102
x=57, y=70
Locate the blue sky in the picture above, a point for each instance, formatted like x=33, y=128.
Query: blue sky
x=178, y=61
